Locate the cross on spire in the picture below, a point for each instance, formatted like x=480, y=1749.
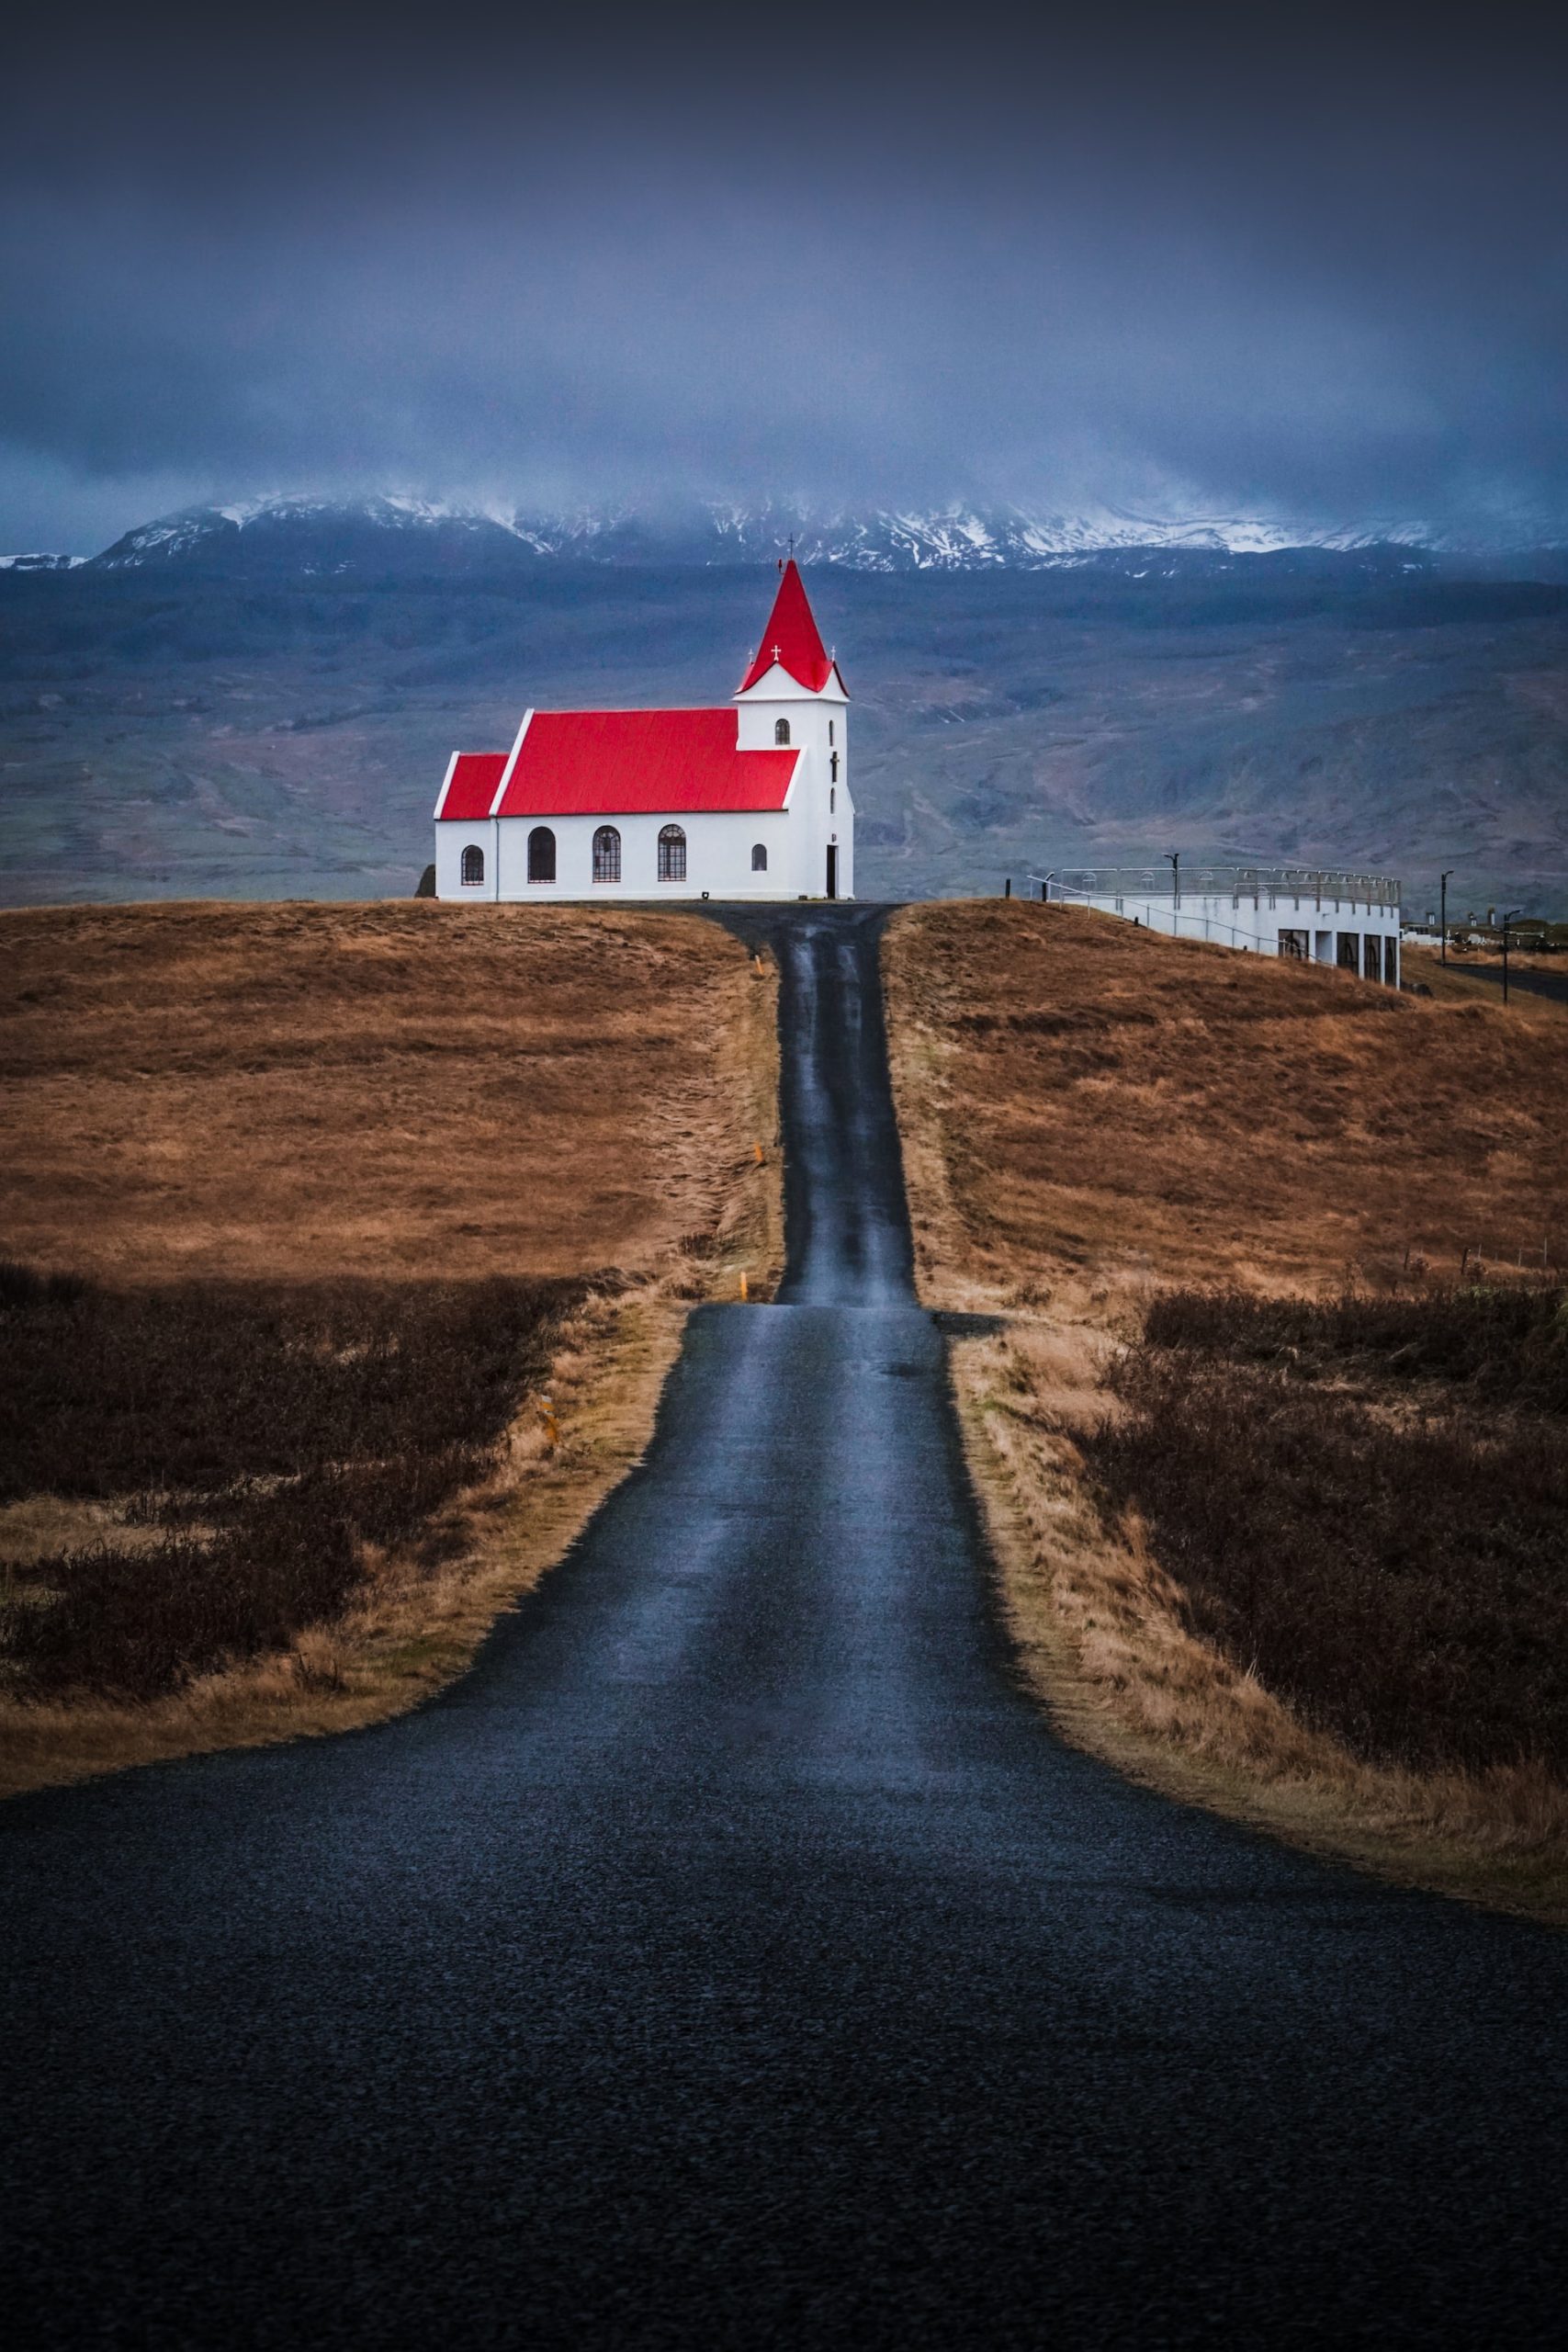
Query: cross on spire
x=790, y=640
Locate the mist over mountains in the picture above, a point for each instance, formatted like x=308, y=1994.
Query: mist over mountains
x=259, y=698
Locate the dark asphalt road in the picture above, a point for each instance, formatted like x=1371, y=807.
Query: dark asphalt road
x=734, y=1958
x=1554, y=985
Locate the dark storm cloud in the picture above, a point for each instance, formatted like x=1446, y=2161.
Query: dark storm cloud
x=1318, y=268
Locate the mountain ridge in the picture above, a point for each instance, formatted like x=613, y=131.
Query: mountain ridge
x=317, y=536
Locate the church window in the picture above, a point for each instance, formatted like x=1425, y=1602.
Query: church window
x=671, y=854
x=830, y=731
x=781, y=731
x=760, y=858
x=541, y=854
x=606, y=854
x=473, y=867
x=833, y=766
x=832, y=800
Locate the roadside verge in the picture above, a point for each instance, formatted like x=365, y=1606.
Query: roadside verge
x=1079, y=1108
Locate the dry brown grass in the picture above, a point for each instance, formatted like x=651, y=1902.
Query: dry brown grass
x=294, y=1093
x=1108, y=1108
x=408, y=1631
x=367, y=1090
x=1089, y=1115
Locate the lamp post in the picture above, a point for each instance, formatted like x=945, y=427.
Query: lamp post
x=1173, y=859
x=1511, y=915
x=1443, y=918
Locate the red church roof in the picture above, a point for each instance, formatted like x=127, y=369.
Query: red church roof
x=621, y=763
x=472, y=780
x=791, y=638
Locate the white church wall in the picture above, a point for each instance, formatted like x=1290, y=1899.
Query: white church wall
x=820, y=801
x=719, y=844
x=451, y=841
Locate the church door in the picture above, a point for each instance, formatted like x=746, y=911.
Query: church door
x=833, y=870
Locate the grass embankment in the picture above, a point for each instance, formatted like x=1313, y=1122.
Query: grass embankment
x=1272, y=1462
x=366, y=1238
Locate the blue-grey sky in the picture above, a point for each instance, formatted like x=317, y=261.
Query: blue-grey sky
x=1312, y=264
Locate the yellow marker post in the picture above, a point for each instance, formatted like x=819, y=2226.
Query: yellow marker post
x=744, y=1292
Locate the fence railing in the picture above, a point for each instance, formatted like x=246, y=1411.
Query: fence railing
x=1234, y=882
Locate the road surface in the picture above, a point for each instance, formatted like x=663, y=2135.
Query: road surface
x=734, y=1958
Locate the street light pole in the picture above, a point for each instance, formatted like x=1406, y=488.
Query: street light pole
x=1173, y=859
x=1510, y=915
x=1443, y=918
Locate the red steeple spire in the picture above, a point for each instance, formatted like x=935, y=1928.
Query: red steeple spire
x=791, y=639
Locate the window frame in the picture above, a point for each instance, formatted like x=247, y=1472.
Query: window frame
x=467, y=881
x=605, y=850
x=672, y=850
x=781, y=733
x=540, y=834
x=759, y=857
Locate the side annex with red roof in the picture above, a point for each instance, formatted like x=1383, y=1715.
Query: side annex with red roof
x=748, y=800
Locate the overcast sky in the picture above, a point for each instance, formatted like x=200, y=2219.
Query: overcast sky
x=1186, y=260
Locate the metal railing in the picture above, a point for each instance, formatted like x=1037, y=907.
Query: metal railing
x=1234, y=882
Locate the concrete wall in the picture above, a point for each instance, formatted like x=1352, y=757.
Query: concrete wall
x=1257, y=924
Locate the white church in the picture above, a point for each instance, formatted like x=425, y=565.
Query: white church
x=747, y=801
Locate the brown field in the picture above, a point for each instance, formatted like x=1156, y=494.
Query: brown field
x=1093, y=1118
x=379, y=1089
x=386, y=1216
x=1115, y=1106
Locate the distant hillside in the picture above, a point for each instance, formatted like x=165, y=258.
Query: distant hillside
x=192, y=725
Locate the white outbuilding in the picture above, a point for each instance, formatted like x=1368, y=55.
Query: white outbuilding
x=1306, y=913
x=749, y=800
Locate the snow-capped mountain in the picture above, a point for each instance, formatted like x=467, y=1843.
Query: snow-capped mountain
x=321, y=536
x=36, y=562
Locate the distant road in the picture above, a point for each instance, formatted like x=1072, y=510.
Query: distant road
x=1553, y=985
x=734, y=1958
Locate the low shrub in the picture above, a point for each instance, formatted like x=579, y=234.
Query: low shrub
x=269, y=1432
x=1391, y=1558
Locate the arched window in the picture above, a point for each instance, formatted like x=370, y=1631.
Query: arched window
x=606, y=854
x=541, y=854
x=781, y=731
x=760, y=858
x=671, y=854
x=473, y=867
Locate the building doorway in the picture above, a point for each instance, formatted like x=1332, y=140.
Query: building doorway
x=832, y=869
